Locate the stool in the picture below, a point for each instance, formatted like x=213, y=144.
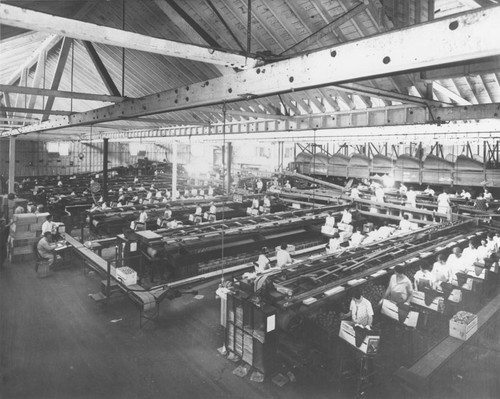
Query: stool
x=42, y=268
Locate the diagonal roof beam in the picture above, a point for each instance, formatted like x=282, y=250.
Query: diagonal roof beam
x=328, y=28
x=56, y=79
x=450, y=94
x=35, y=91
x=37, y=78
x=101, y=69
x=433, y=43
x=33, y=20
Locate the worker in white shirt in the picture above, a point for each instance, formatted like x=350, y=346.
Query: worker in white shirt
x=405, y=224
x=346, y=217
x=379, y=194
x=487, y=195
x=456, y=263
x=429, y=191
x=360, y=309
x=491, y=244
x=283, y=257
x=356, y=239
x=334, y=244
x=411, y=198
x=385, y=230
x=263, y=263
x=45, y=248
x=212, y=211
x=469, y=255
x=198, y=214
x=260, y=185
x=355, y=192
x=143, y=218
x=49, y=225
x=424, y=277
x=402, y=189
x=210, y=191
x=483, y=251
x=444, y=204
x=330, y=220
x=441, y=271
x=266, y=204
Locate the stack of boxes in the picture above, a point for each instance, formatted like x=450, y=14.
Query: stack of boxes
x=25, y=231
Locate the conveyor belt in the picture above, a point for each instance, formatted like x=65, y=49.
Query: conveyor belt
x=333, y=271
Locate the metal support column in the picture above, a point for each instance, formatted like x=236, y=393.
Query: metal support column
x=174, y=170
x=105, y=149
x=12, y=163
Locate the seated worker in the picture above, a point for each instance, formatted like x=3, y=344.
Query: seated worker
x=334, y=244
x=424, y=277
x=429, y=191
x=441, y=272
x=405, y=224
x=356, y=239
x=385, y=230
x=46, y=247
x=143, y=218
x=346, y=216
x=330, y=220
x=456, y=263
x=491, y=244
x=263, y=263
x=255, y=203
x=469, y=255
x=283, y=257
x=212, y=211
x=198, y=214
x=483, y=251
x=360, y=309
x=355, y=192
x=400, y=288
x=19, y=209
x=487, y=195
x=266, y=204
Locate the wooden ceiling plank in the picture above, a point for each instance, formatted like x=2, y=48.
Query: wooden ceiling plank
x=33, y=20
x=101, y=69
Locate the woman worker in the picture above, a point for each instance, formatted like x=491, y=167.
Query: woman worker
x=400, y=288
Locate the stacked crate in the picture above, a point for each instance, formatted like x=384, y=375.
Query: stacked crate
x=25, y=231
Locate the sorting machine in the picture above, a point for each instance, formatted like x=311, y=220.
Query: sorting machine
x=307, y=298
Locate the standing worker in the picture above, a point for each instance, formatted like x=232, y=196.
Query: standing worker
x=283, y=257
x=4, y=235
x=360, y=309
x=400, y=289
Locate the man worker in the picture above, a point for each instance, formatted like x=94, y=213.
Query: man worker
x=360, y=309
x=49, y=226
x=46, y=249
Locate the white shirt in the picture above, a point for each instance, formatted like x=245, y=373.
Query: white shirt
x=354, y=193
x=385, y=231
x=492, y=246
x=263, y=262
x=198, y=211
x=143, y=217
x=283, y=258
x=334, y=245
x=361, y=311
x=411, y=197
x=456, y=265
x=48, y=226
x=330, y=221
x=423, y=275
x=482, y=253
x=356, y=239
x=441, y=272
x=429, y=191
x=213, y=209
x=379, y=194
x=469, y=256
x=346, y=217
x=405, y=225
x=267, y=202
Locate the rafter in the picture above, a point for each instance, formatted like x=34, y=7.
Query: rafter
x=33, y=20
x=432, y=44
x=56, y=79
x=37, y=78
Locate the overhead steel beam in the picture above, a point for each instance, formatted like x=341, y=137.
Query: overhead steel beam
x=34, y=20
x=35, y=91
x=34, y=111
x=398, y=115
x=234, y=112
x=460, y=37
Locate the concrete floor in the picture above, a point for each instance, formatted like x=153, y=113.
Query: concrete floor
x=55, y=342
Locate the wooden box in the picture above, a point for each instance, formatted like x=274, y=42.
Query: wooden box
x=461, y=330
x=370, y=342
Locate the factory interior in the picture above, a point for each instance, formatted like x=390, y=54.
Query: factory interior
x=249, y=199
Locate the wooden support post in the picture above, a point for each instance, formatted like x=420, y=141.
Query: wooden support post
x=12, y=164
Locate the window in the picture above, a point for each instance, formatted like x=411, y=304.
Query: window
x=60, y=148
